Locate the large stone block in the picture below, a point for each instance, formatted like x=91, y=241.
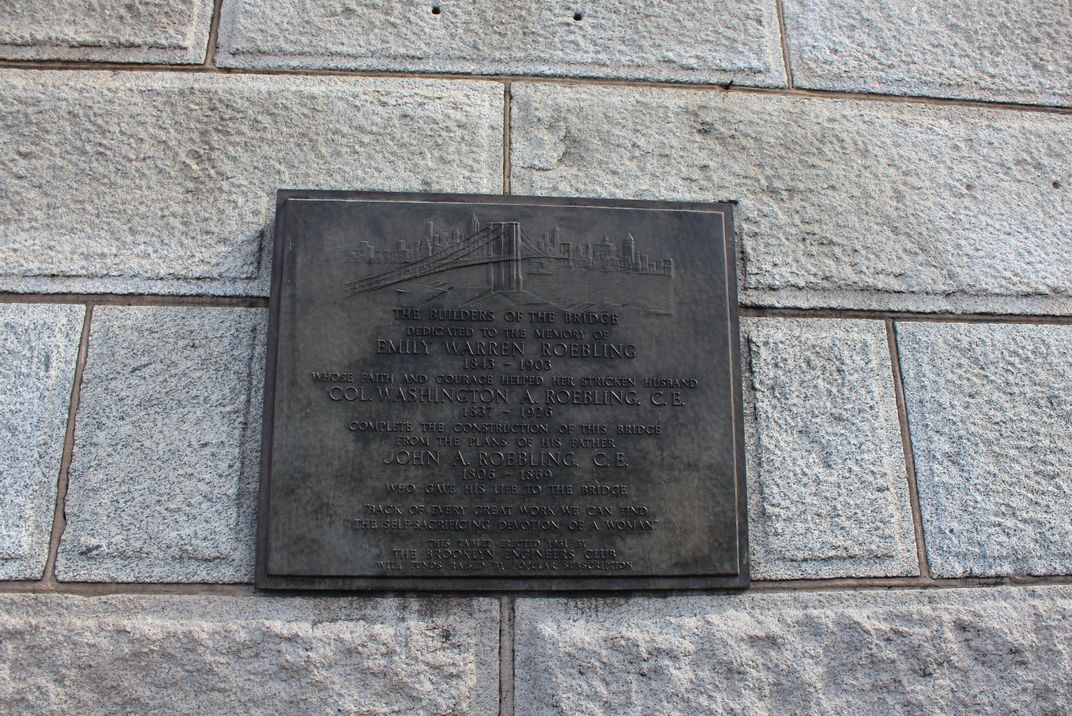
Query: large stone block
x=989, y=409
x=973, y=49
x=827, y=489
x=1001, y=650
x=693, y=41
x=106, y=30
x=248, y=655
x=844, y=203
x=39, y=346
x=166, y=454
x=165, y=183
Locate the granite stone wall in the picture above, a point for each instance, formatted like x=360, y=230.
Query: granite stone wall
x=903, y=179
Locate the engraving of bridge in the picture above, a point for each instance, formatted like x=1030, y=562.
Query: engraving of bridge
x=501, y=246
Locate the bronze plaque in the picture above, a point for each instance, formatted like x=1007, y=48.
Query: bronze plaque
x=499, y=392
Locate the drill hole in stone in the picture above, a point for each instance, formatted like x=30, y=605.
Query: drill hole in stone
x=577, y=17
x=436, y=10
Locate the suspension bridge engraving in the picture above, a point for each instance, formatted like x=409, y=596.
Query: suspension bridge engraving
x=501, y=392
x=488, y=263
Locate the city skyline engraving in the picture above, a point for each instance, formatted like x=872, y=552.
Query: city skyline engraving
x=499, y=264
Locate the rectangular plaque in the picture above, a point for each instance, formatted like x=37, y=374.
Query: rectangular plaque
x=499, y=392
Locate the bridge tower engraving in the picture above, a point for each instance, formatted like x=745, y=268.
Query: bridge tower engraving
x=506, y=254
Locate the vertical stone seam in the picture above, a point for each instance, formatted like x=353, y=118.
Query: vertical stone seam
x=249, y=454
x=506, y=138
x=213, y=34
x=59, y=517
x=506, y=655
x=906, y=445
x=784, y=37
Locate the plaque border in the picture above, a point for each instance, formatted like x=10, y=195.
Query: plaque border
x=481, y=584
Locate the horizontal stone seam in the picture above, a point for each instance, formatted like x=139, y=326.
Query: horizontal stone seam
x=65, y=65
x=122, y=299
x=921, y=317
x=97, y=589
x=856, y=583
x=787, y=585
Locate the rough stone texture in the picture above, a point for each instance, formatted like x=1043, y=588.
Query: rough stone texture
x=827, y=489
x=975, y=49
x=989, y=409
x=39, y=346
x=166, y=454
x=1002, y=650
x=845, y=203
x=165, y=183
x=693, y=41
x=106, y=30
x=247, y=655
